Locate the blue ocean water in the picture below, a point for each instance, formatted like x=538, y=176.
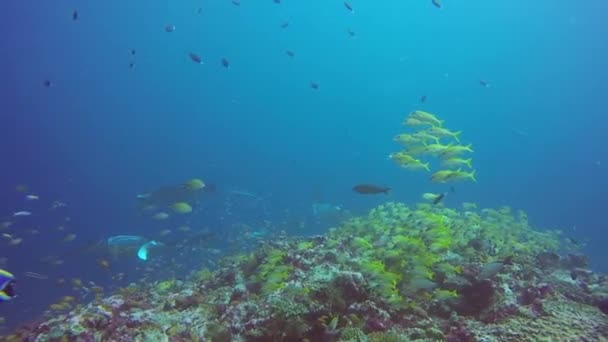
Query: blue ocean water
x=104, y=132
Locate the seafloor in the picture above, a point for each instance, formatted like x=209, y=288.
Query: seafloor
x=399, y=274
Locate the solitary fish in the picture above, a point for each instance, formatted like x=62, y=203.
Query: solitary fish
x=348, y=7
x=277, y=1
x=351, y=33
x=370, y=189
x=484, y=83
x=196, y=58
x=290, y=53
x=75, y=15
x=314, y=85
x=439, y=198
x=169, y=28
x=437, y=3
x=236, y=3
x=22, y=213
x=423, y=99
x=225, y=63
x=285, y=24
x=47, y=83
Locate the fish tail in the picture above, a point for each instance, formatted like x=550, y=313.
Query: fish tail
x=469, y=162
x=456, y=136
x=472, y=176
x=426, y=167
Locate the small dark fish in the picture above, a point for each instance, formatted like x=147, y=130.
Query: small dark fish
x=131, y=65
x=199, y=10
x=169, y=28
x=47, y=83
x=453, y=189
x=437, y=3
x=484, y=83
x=439, y=198
x=236, y=3
x=277, y=1
x=351, y=32
x=195, y=58
x=290, y=53
x=75, y=15
x=423, y=99
x=370, y=189
x=225, y=63
x=132, y=52
x=314, y=85
x=348, y=6
x=285, y=24
x=573, y=241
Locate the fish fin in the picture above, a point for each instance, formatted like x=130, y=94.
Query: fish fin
x=472, y=175
x=426, y=167
x=456, y=136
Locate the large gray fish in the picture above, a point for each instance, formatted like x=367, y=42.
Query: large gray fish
x=370, y=189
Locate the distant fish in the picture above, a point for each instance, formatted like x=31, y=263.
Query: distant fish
x=452, y=189
x=236, y=3
x=58, y=204
x=277, y=1
x=370, y=189
x=160, y=216
x=75, y=15
x=69, y=238
x=573, y=241
x=132, y=52
x=47, y=83
x=423, y=99
x=22, y=213
x=439, y=198
x=437, y=3
x=290, y=53
x=314, y=85
x=519, y=132
x=31, y=198
x=484, y=83
x=35, y=275
x=285, y=24
x=195, y=58
x=131, y=65
x=225, y=63
x=169, y=28
x=348, y=7
x=351, y=33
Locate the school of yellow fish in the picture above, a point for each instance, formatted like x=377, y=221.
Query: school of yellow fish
x=430, y=138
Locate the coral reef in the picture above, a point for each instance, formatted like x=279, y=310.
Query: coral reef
x=427, y=273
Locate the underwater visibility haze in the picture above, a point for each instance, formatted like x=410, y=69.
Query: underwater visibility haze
x=303, y=170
